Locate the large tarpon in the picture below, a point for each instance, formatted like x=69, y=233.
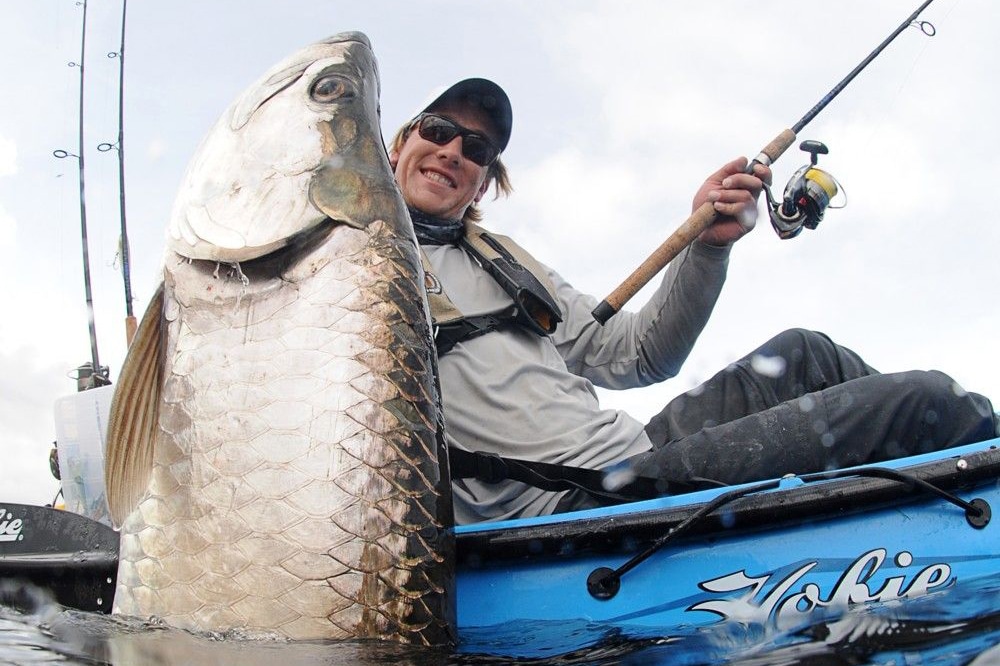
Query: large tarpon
x=275, y=456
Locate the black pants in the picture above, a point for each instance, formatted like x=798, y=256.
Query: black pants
x=801, y=403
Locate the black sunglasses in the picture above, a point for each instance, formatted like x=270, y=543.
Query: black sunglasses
x=439, y=130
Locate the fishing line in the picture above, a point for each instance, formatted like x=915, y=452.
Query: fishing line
x=929, y=29
x=706, y=214
x=910, y=22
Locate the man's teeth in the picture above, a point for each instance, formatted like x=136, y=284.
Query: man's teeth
x=435, y=176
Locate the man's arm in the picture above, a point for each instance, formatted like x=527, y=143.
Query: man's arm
x=651, y=345
x=641, y=348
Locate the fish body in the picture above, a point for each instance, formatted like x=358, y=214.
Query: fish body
x=275, y=452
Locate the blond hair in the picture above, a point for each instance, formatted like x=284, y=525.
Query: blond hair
x=496, y=172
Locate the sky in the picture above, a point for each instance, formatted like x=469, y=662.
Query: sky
x=621, y=109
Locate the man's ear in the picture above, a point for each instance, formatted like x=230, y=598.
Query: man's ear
x=482, y=189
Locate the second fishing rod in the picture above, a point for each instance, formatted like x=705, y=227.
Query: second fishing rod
x=814, y=188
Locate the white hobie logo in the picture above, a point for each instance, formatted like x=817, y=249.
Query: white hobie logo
x=780, y=604
x=10, y=527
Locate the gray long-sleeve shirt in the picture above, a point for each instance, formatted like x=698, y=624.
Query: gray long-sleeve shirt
x=521, y=395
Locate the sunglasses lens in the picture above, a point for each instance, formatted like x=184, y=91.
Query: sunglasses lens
x=478, y=149
x=440, y=130
x=437, y=130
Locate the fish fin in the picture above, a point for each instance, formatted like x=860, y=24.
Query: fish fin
x=132, y=426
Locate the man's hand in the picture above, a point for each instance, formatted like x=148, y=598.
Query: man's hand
x=734, y=195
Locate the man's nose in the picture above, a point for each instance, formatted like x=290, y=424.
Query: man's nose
x=452, y=150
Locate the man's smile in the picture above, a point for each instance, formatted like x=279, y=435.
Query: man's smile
x=438, y=177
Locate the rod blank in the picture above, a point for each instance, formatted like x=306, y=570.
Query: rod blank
x=703, y=218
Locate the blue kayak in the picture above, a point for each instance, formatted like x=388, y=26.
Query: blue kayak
x=780, y=553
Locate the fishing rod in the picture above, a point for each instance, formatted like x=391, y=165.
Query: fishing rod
x=119, y=146
x=96, y=375
x=706, y=214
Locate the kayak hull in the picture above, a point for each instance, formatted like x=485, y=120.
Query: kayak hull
x=71, y=557
x=781, y=557
x=781, y=554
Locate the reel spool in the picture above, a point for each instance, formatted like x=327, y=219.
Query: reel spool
x=807, y=195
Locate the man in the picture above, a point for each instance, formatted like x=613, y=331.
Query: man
x=520, y=352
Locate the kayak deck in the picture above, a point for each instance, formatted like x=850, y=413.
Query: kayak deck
x=773, y=554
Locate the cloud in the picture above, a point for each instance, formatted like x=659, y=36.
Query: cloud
x=8, y=156
x=8, y=230
x=27, y=414
x=8, y=167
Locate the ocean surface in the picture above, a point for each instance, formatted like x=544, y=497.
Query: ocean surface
x=958, y=625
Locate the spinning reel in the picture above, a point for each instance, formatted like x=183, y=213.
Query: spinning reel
x=807, y=196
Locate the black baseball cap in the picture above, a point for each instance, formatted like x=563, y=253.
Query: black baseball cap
x=484, y=94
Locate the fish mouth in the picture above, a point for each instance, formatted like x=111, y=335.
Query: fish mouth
x=278, y=262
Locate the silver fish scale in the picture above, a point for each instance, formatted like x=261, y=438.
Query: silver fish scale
x=295, y=486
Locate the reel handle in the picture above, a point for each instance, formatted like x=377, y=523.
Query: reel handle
x=684, y=235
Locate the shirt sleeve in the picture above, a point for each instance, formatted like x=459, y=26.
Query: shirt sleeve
x=640, y=348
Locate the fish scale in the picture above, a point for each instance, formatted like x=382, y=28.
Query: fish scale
x=295, y=483
x=214, y=484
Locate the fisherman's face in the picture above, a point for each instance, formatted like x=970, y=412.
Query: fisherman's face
x=439, y=180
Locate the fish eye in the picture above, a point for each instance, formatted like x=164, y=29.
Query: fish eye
x=329, y=88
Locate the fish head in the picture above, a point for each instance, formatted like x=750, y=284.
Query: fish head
x=300, y=147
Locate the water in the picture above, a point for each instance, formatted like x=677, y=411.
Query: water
x=959, y=625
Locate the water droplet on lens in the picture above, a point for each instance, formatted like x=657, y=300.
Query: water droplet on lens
x=769, y=366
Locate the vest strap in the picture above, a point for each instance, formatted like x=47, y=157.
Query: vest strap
x=516, y=272
x=536, y=309
x=450, y=334
x=492, y=468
